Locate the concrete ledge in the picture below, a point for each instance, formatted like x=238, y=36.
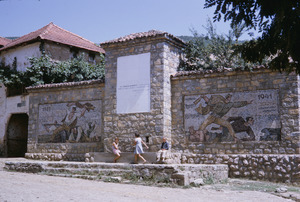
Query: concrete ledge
x=126, y=157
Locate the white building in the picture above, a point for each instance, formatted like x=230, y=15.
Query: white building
x=52, y=40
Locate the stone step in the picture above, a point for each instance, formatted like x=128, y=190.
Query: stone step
x=89, y=177
x=83, y=165
x=126, y=157
x=181, y=174
x=90, y=172
x=107, y=157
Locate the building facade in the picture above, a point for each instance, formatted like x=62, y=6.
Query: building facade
x=52, y=40
x=247, y=120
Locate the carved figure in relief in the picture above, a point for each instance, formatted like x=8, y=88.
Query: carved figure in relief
x=239, y=125
x=217, y=106
x=196, y=136
x=58, y=130
x=73, y=132
x=87, y=135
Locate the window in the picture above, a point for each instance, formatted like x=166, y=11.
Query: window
x=91, y=57
x=15, y=90
x=74, y=52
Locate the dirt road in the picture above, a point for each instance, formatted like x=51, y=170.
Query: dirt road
x=25, y=187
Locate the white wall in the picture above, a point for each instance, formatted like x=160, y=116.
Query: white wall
x=22, y=54
x=9, y=106
x=15, y=104
x=2, y=112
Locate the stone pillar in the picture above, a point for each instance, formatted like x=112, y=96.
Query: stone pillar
x=164, y=52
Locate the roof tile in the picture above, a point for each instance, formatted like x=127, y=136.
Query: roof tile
x=67, y=84
x=4, y=41
x=52, y=32
x=151, y=33
x=210, y=71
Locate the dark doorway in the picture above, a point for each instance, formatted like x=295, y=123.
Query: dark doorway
x=17, y=134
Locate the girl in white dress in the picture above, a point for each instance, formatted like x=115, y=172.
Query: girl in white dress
x=138, y=150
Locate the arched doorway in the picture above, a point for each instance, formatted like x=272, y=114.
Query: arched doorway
x=16, y=136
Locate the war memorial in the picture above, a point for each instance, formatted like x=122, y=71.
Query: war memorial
x=237, y=124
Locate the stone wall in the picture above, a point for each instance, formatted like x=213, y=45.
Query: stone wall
x=259, y=137
x=63, y=52
x=51, y=106
x=62, y=151
x=20, y=104
x=197, y=84
x=264, y=159
x=251, y=147
x=270, y=167
x=153, y=125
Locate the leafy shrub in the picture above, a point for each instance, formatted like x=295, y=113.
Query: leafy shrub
x=44, y=70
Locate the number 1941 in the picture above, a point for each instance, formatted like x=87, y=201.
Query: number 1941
x=264, y=96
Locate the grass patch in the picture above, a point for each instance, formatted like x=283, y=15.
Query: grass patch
x=249, y=185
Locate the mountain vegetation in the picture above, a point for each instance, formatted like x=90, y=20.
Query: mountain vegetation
x=214, y=51
x=278, y=22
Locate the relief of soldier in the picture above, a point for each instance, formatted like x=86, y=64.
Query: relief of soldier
x=69, y=129
x=217, y=106
x=226, y=125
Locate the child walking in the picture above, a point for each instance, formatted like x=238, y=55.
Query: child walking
x=139, y=148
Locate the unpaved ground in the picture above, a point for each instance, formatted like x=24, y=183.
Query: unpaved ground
x=25, y=187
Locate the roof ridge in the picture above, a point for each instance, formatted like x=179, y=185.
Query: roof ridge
x=26, y=35
x=137, y=35
x=5, y=38
x=47, y=28
x=73, y=33
x=52, y=32
x=4, y=41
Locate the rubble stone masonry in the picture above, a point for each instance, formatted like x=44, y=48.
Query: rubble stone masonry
x=258, y=158
x=164, y=60
x=271, y=160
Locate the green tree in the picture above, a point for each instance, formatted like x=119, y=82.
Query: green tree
x=10, y=77
x=278, y=21
x=213, y=51
x=44, y=70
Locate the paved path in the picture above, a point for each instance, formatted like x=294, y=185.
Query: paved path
x=25, y=187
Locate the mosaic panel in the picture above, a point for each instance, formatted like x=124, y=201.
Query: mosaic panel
x=239, y=116
x=70, y=122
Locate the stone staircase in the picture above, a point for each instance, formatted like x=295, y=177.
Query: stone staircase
x=104, y=172
x=126, y=157
x=180, y=174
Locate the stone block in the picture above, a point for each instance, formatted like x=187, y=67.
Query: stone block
x=180, y=179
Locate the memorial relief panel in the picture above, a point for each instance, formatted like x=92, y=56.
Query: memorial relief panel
x=71, y=122
x=228, y=117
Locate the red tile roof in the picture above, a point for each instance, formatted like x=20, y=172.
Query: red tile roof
x=52, y=32
x=149, y=34
x=67, y=84
x=210, y=71
x=4, y=41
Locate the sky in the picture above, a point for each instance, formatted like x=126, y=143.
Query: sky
x=104, y=20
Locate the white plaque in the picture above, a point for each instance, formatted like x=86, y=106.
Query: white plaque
x=133, y=84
